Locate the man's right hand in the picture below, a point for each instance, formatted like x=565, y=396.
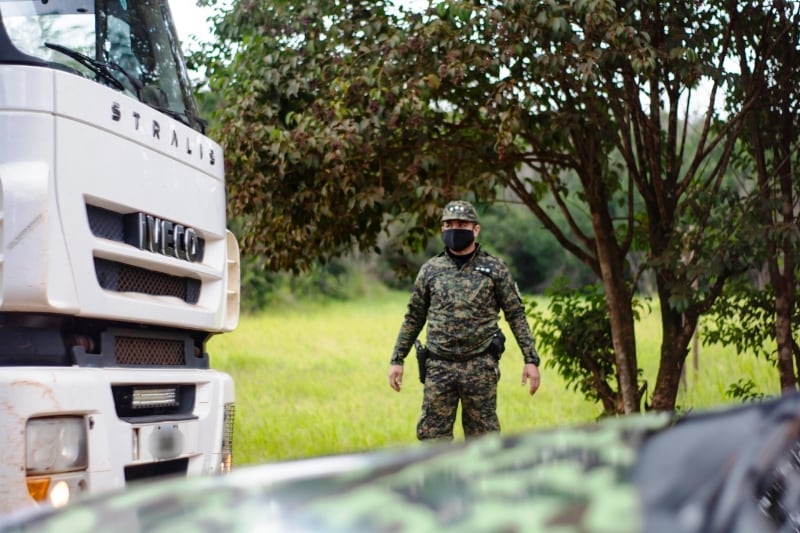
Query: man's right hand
x=530, y=373
x=396, y=377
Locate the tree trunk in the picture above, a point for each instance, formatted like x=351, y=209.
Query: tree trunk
x=785, y=300
x=782, y=259
x=678, y=329
x=624, y=340
x=783, y=336
x=619, y=302
x=773, y=149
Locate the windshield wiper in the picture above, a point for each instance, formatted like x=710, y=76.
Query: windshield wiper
x=100, y=68
x=183, y=117
x=190, y=119
x=103, y=70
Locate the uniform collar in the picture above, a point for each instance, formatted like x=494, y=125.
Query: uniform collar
x=461, y=260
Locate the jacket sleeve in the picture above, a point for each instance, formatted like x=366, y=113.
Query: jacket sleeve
x=414, y=319
x=510, y=301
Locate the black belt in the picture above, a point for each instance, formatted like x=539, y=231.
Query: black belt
x=432, y=355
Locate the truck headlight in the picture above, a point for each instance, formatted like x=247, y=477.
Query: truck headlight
x=55, y=444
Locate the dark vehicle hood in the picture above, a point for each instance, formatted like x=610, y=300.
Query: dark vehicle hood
x=732, y=470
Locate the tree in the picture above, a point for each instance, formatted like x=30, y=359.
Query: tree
x=767, y=41
x=327, y=143
x=340, y=118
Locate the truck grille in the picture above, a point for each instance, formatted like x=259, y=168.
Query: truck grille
x=142, y=351
x=160, y=469
x=118, y=347
x=106, y=224
x=119, y=277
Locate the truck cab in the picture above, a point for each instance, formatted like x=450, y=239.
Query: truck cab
x=116, y=266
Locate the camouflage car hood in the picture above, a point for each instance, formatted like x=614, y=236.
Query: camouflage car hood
x=732, y=470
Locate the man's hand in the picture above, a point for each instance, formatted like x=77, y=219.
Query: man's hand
x=530, y=373
x=396, y=377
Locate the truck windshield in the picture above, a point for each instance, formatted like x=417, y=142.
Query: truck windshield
x=129, y=45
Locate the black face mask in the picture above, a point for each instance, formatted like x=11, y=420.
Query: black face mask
x=458, y=239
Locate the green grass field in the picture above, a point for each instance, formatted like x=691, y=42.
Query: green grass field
x=311, y=380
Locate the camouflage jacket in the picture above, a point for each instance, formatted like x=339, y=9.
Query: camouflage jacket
x=461, y=307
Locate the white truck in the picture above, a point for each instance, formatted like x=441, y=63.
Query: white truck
x=116, y=266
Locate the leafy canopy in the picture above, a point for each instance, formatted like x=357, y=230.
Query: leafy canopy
x=329, y=135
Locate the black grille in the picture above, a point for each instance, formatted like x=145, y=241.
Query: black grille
x=118, y=347
x=106, y=224
x=119, y=277
x=143, y=351
x=160, y=469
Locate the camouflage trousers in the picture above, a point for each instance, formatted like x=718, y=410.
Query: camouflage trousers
x=473, y=383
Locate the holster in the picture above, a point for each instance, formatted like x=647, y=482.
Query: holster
x=422, y=359
x=497, y=346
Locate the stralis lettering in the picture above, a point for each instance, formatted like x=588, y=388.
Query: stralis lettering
x=154, y=234
x=155, y=131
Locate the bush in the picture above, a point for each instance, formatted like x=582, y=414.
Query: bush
x=340, y=279
x=576, y=332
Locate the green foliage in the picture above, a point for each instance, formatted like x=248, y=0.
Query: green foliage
x=576, y=332
x=397, y=266
x=744, y=390
x=326, y=139
x=531, y=252
x=714, y=240
x=743, y=318
x=339, y=279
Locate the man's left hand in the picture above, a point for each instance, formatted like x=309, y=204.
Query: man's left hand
x=530, y=373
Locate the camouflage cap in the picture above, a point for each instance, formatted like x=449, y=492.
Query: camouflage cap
x=459, y=210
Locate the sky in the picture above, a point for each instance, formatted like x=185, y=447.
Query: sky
x=190, y=19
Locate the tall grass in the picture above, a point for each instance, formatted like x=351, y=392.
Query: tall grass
x=311, y=379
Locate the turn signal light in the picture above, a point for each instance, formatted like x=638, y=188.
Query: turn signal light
x=37, y=488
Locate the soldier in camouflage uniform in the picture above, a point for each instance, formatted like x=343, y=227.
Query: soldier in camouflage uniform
x=459, y=293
